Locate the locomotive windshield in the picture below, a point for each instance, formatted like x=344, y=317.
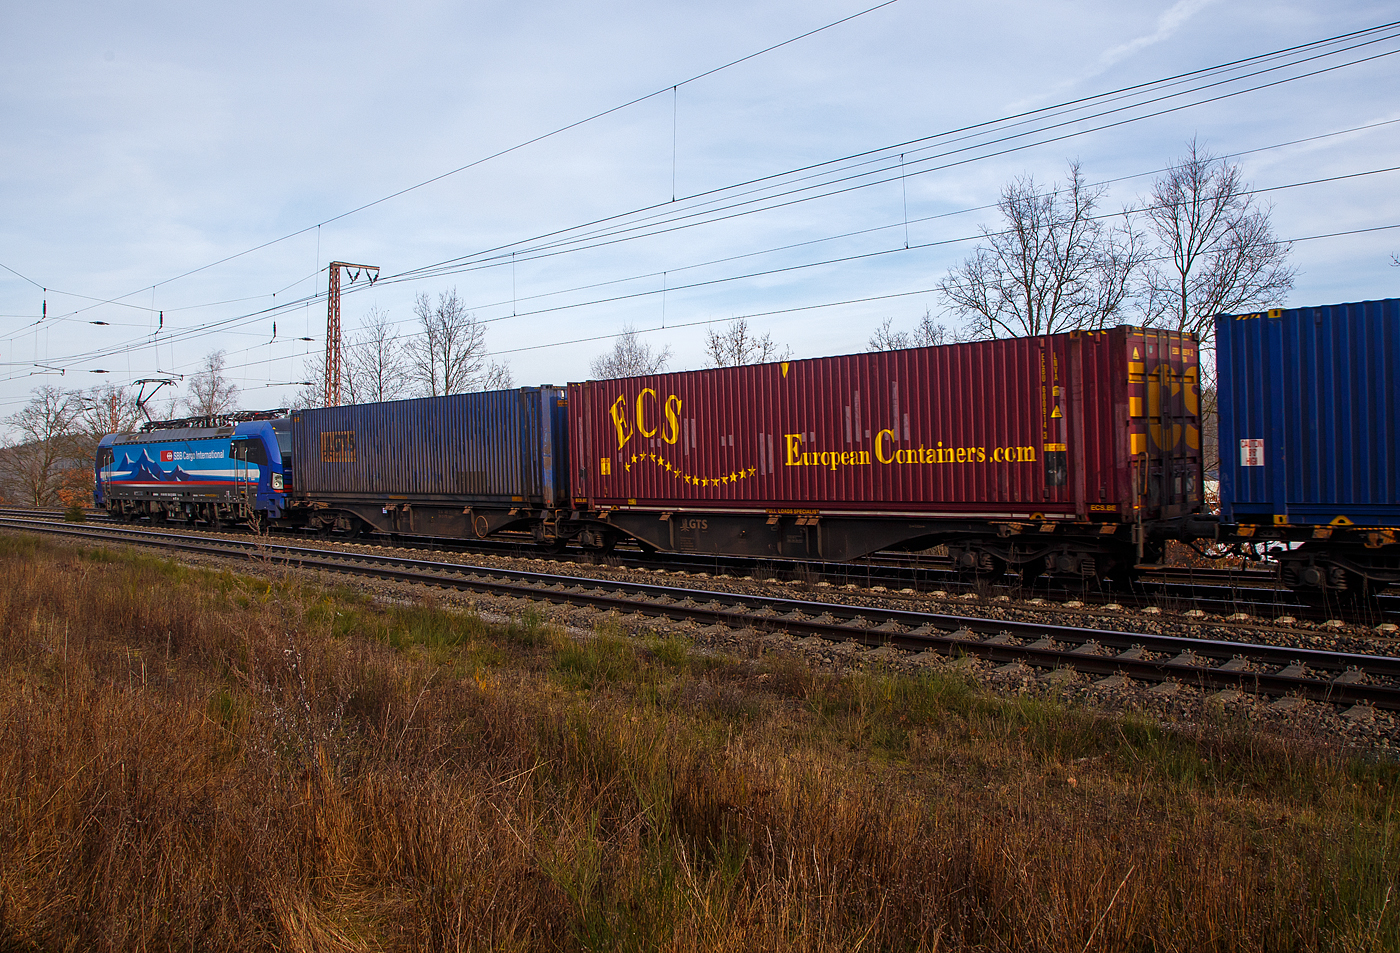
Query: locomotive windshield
x=283, y=429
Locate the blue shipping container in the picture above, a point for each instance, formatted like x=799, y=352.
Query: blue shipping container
x=498, y=447
x=1309, y=404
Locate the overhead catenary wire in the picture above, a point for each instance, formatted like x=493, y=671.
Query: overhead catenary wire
x=795, y=309
x=73, y=360
x=715, y=195
x=413, y=274
x=1356, y=38
x=514, y=148
x=616, y=238
x=700, y=322
x=301, y=302
x=222, y=325
x=1363, y=37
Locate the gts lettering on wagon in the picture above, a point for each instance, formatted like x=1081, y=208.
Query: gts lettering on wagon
x=886, y=454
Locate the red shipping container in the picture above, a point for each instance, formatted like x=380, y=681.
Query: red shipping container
x=1086, y=426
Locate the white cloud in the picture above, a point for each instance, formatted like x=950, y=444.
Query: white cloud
x=1166, y=27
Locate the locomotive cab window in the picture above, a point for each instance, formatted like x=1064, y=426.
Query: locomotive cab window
x=251, y=451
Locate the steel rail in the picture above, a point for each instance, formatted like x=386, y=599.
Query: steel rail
x=1199, y=594
x=1317, y=674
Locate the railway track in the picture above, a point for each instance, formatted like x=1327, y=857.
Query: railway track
x=1337, y=678
x=1222, y=592
x=1254, y=593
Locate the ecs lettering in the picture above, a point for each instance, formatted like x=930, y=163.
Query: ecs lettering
x=648, y=416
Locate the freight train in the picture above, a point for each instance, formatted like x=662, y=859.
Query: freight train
x=1075, y=454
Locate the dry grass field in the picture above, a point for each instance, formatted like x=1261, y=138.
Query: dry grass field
x=199, y=760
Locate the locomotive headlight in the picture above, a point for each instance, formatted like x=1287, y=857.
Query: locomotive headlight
x=277, y=481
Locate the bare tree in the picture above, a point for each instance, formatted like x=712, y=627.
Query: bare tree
x=33, y=464
x=1055, y=266
x=629, y=357
x=211, y=392
x=927, y=333
x=375, y=361
x=106, y=409
x=313, y=381
x=450, y=355
x=737, y=345
x=1217, y=250
x=498, y=377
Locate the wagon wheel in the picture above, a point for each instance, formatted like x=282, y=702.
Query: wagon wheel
x=601, y=543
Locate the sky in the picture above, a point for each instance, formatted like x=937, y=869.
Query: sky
x=175, y=178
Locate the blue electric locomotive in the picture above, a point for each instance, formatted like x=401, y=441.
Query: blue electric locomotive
x=239, y=472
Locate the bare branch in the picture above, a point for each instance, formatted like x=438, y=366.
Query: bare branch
x=210, y=391
x=1217, y=249
x=376, y=361
x=630, y=357
x=32, y=466
x=1056, y=265
x=106, y=409
x=927, y=333
x=449, y=356
x=737, y=345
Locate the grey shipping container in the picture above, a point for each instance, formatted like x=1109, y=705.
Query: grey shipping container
x=1310, y=416
x=461, y=465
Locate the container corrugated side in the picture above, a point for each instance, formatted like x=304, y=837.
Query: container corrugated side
x=497, y=446
x=1008, y=428
x=1309, y=404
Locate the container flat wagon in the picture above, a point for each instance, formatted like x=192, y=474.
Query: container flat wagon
x=1071, y=452
x=460, y=466
x=1309, y=404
